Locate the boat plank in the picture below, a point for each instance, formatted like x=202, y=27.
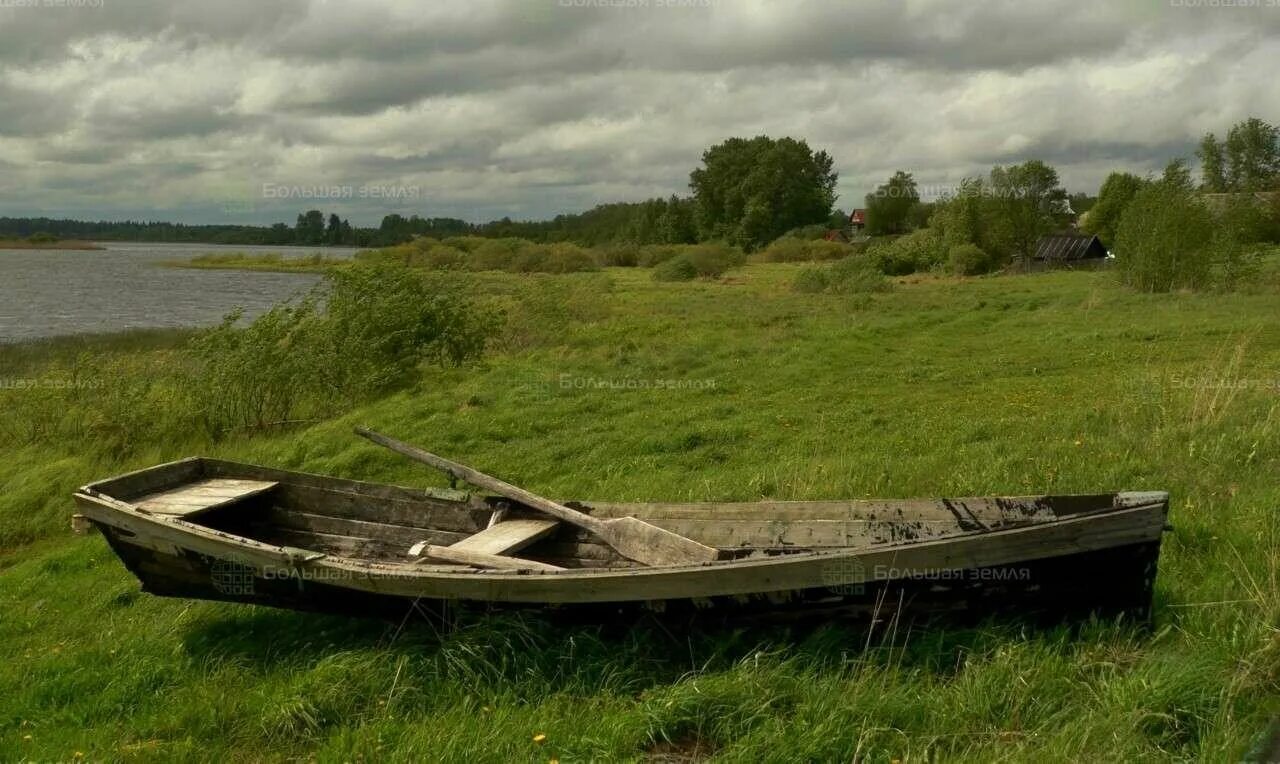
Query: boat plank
x=482, y=560
x=401, y=535
x=194, y=498
x=419, y=512
x=507, y=536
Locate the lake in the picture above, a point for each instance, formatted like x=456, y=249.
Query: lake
x=47, y=293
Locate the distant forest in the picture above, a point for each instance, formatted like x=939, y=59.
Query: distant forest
x=652, y=221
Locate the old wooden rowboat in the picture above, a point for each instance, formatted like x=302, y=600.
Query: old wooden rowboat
x=218, y=530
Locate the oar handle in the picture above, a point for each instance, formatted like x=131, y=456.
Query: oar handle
x=481, y=480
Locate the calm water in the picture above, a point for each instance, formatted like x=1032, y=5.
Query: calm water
x=45, y=293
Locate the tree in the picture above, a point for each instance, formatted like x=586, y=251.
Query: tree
x=675, y=224
x=1163, y=239
x=310, y=229
x=333, y=234
x=889, y=207
x=1029, y=203
x=1212, y=164
x=1115, y=195
x=971, y=216
x=750, y=191
x=1178, y=174
x=1253, y=156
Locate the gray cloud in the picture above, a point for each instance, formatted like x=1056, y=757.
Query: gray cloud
x=528, y=108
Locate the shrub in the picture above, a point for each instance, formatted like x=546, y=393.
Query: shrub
x=678, y=268
x=856, y=274
x=623, y=254
x=1163, y=240
x=969, y=260
x=791, y=250
x=378, y=324
x=564, y=257
x=651, y=255
x=852, y=275
x=713, y=259
x=917, y=251
x=811, y=280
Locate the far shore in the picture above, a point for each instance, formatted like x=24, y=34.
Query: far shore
x=59, y=244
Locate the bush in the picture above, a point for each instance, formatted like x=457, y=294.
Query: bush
x=678, y=268
x=1163, y=240
x=969, y=260
x=652, y=255
x=811, y=280
x=857, y=274
x=623, y=255
x=379, y=323
x=852, y=275
x=792, y=250
x=917, y=251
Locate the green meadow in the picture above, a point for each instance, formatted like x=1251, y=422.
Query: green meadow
x=610, y=385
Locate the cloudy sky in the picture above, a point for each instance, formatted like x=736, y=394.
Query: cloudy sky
x=204, y=111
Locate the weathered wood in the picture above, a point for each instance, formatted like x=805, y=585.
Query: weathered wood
x=152, y=479
x=201, y=496
x=401, y=535
x=632, y=537
x=507, y=536
x=419, y=512
x=995, y=533
x=483, y=560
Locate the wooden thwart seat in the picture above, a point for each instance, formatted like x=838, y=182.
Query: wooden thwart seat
x=195, y=498
x=490, y=547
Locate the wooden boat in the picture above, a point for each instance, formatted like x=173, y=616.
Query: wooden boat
x=218, y=530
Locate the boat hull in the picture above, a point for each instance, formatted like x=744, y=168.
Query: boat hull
x=1041, y=557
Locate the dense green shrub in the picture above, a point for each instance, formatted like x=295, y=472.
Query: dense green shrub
x=789, y=249
x=1163, y=240
x=618, y=255
x=857, y=274
x=811, y=280
x=969, y=260
x=678, y=268
x=363, y=331
x=919, y=250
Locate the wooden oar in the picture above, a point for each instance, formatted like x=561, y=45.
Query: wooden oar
x=631, y=537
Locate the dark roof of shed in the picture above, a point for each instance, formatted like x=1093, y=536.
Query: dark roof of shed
x=1069, y=246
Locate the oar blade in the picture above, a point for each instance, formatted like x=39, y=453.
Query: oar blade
x=650, y=545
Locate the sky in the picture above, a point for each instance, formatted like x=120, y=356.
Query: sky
x=249, y=111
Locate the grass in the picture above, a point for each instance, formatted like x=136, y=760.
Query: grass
x=267, y=261
x=1052, y=382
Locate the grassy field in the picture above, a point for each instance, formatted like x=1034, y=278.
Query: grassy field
x=613, y=386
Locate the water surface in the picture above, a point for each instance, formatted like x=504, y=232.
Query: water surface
x=47, y=293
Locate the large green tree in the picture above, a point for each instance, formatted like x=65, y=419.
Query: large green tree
x=1253, y=155
x=1248, y=160
x=1115, y=195
x=1213, y=175
x=1030, y=202
x=749, y=191
x=889, y=206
